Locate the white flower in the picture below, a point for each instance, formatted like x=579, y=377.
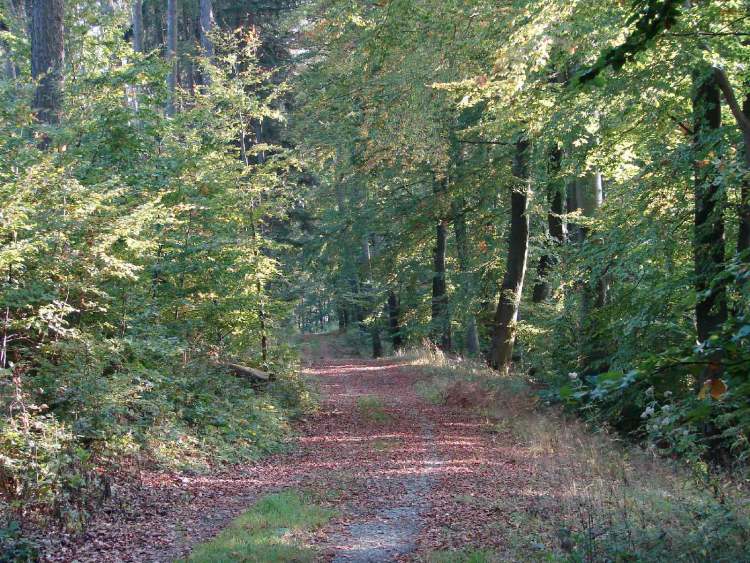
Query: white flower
x=648, y=412
x=668, y=394
x=650, y=392
x=573, y=375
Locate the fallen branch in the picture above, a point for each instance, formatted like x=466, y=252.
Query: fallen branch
x=247, y=372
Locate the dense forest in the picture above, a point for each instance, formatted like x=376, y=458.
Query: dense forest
x=559, y=190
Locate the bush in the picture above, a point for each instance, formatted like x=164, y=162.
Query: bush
x=90, y=407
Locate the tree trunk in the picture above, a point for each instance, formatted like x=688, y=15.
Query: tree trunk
x=743, y=236
x=206, y=25
x=377, y=343
x=48, y=58
x=394, y=326
x=710, y=203
x=464, y=264
x=555, y=229
x=506, y=314
x=171, y=55
x=590, y=196
x=440, y=329
x=138, y=26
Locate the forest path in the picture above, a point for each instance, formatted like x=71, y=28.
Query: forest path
x=406, y=477
x=410, y=477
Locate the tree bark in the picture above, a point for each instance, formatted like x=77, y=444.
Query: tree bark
x=48, y=58
x=590, y=196
x=743, y=236
x=555, y=229
x=464, y=264
x=206, y=25
x=377, y=343
x=137, y=19
x=171, y=55
x=441, y=333
x=710, y=203
x=506, y=314
x=394, y=327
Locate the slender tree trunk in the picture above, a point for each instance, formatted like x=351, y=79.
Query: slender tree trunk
x=743, y=236
x=590, y=196
x=19, y=20
x=710, y=203
x=206, y=25
x=48, y=58
x=506, y=314
x=171, y=55
x=467, y=278
x=555, y=228
x=137, y=19
x=377, y=343
x=394, y=327
x=441, y=333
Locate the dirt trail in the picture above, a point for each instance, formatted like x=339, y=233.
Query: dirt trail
x=405, y=476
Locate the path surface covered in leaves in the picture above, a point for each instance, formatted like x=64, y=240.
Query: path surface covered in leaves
x=406, y=477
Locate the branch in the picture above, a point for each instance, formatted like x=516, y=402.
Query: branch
x=478, y=142
x=687, y=130
x=726, y=88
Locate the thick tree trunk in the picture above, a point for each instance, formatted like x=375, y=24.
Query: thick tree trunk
x=48, y=58
x=394, y=326
x=506, y=314
x=464, y=263
x=555, y=228
x=171, y=55
x=710, y=203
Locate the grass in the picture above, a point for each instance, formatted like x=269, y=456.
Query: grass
x=600, y=499
x=372, y=409
x=468, y=556
x=270, y=531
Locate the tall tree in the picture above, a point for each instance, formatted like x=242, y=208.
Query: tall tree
x=48, y=58
x=590, y=196
x=206, y=26
x=394, y=327
x=440, y=316
x=710, y=202
x=171, y=55
x=506, y=315
x=555, y=227
x=467, y=277
x=137, y=19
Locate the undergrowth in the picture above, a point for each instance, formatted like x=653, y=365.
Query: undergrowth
x=603, y=499
x=105, y=409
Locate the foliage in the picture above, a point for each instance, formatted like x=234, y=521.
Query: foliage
x=138, y=254
x=394, y=98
